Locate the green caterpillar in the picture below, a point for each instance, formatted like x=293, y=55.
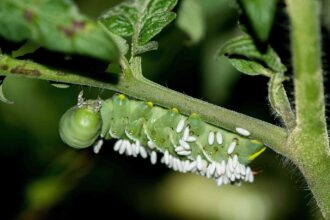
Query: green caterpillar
x=187, y=144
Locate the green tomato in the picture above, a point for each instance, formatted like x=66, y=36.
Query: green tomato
x=80, y=127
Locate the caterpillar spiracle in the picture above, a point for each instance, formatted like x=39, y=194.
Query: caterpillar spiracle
x=186, y=144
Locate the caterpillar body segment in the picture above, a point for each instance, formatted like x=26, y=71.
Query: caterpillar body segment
x=80, y=126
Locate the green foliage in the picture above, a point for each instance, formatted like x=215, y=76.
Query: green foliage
x=249, y=67
x=260, y=14
x=191, y=19
x=141, y=20
x=245, y=57
x=27, y=48
x=56, y=25
x=2, y=96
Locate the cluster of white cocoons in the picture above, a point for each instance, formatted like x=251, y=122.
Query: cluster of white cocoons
x=225, y=172
x=134, y=149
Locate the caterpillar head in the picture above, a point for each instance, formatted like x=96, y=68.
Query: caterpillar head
x=80, y=126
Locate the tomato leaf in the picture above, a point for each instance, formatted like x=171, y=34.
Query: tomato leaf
x=245, y=57
x=56, y=25
x=140, y=19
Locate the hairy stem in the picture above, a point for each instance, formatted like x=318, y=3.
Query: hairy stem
x=309, y=140
x=280, y=102
x=143, y=89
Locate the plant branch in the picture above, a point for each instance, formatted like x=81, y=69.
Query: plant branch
x=309, y=140
x=143, y=89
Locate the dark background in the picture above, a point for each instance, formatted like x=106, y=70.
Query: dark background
x=42, y=178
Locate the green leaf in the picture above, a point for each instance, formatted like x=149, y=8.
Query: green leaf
x=28, y=47
x=249, y=67
x=139, y=19
x=120, y=42
x=260, y=14
x=191, y=19
x=245, y=57
x=2, y=96
x=114, y=68
x=56, y=25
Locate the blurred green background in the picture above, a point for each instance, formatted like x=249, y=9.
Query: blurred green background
x=42, y=178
